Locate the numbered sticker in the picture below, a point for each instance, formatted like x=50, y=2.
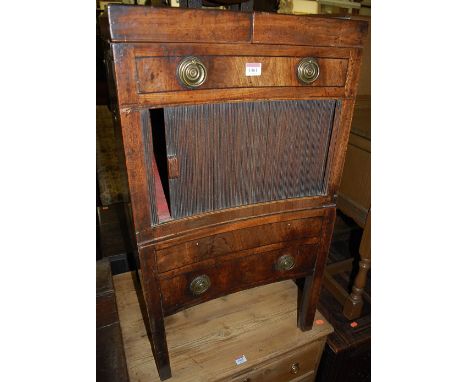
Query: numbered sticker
x=241, y=360
x=253, y=69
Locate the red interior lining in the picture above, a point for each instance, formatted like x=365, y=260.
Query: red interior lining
x=162, y=207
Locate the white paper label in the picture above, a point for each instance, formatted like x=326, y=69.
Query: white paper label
x=241, y=360
x=253, y=69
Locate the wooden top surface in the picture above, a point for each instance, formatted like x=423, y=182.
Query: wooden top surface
x=122, y=23
x=204, y=341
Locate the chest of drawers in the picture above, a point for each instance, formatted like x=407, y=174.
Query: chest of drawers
x=234, y=127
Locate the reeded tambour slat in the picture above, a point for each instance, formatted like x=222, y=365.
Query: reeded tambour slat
x=277, y=150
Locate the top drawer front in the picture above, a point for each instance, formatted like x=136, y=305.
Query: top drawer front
x=159, y=74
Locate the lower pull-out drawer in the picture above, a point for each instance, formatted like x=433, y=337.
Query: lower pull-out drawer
x=241, y=272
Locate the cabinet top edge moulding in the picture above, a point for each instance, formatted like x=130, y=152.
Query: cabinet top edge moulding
x=151, y=24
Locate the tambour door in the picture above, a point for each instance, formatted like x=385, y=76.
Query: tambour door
x=220, y=156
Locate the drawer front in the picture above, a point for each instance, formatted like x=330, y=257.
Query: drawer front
x=224, y=277
x=159, y=74
x=302, y=363
x=225, y=243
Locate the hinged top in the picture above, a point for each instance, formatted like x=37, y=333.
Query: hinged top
x=123, y=23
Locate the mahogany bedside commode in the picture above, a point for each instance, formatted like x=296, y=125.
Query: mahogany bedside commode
x=234, y=127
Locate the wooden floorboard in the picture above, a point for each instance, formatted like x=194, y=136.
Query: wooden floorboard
x=205, y=340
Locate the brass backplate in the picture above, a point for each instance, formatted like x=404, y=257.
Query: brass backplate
x=285, y=263
x=308, y=70
x=200, y=284
x=191, y=72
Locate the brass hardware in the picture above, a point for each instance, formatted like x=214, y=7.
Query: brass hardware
x=191, y=72
x=295, y=368
x=285, y=263
x=199, y=285
x=308, y=70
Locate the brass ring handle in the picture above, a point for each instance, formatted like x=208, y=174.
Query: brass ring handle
x=200, y=284
x=295, y=368
x=191, y=72
x=308, y=70
x=285, y=263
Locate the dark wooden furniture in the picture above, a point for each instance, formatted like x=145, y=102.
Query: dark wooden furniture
x=114, y=238
x=234, y=127
x=110, y=355
x=352, y=307
x=354, y=194
x=233, y=5
x=347, y=354
x=264, y=331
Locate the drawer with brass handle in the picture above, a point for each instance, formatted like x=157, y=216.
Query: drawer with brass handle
x=191, y=72
x=285, y=263
x=302, y=363
x=200, y=285
x=178, y=73
x=236, y=272
x=201, y=247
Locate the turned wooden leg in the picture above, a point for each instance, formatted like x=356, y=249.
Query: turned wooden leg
x=310, y=291
x=152, y=296
x=352, y=308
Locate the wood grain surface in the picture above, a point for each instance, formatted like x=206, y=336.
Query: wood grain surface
x=164, y=49
x=234, y=162
x=158, y=24
x=136, y=167
x=270, y=211
x=233, y=221
x=305, y=360
x=246, y=94
x=128, y=55
x=110, y=356
x=204, y=341
x=311, y=290
x=277, y=150
x=224, y=243
x=238, y=273
x=271, y=28
x=158, y=74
